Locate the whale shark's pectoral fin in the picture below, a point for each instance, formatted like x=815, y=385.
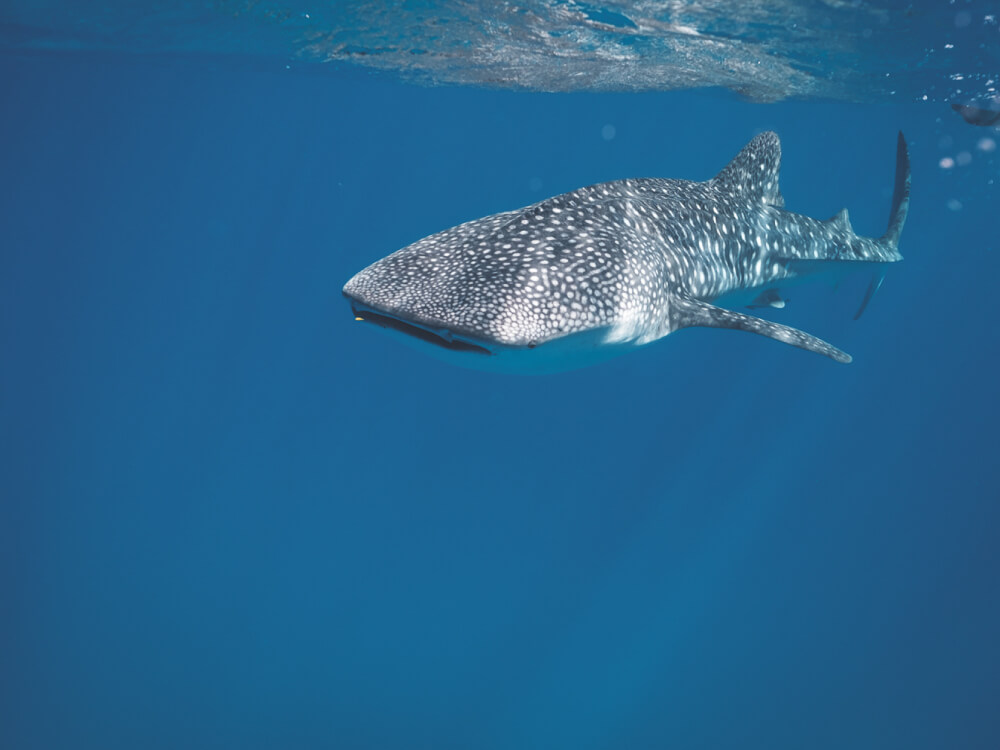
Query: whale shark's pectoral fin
x=687, y=312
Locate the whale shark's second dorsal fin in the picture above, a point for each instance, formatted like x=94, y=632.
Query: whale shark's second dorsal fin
x=753, y=173
x=842, y=221
x=687, y=312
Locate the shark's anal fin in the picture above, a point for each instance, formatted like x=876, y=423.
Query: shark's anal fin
x=768, y=298
x=687, y=312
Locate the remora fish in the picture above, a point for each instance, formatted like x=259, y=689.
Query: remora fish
x=592, y=273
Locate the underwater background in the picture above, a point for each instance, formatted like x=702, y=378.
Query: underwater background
x=230, y=516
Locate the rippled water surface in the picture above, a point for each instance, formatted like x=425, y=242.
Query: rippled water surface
x=764, y=50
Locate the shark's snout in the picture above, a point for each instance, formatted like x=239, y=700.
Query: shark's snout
x=446, y=290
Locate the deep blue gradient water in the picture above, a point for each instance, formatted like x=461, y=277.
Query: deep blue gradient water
x=232, y=517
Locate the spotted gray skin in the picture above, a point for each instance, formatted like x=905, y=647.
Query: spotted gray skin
x=627, y=261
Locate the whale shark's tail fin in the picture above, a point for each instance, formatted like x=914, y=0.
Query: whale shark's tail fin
x=897, y=216
x=900, y=194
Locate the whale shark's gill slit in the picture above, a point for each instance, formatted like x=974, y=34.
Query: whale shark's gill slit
x=387, y=321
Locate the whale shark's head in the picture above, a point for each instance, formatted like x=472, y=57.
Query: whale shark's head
x=456, y=285
x=517, y=283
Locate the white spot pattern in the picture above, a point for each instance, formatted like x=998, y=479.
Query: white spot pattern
x=610, y=256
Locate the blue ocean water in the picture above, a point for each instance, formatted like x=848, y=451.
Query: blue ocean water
x=233, y=517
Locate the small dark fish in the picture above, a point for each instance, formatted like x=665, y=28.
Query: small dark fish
x=977, y=115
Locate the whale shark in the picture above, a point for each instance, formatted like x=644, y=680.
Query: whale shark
x=590, y=274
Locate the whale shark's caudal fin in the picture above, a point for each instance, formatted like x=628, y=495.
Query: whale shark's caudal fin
x=900, y=194
x=876, y=253
x=687, y=312
x=897, y=216
x=873, y=286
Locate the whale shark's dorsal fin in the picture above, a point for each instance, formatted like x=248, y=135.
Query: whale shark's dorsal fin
x=753, y=174
x=688, y=312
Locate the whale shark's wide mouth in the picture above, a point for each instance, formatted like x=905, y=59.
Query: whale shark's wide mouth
x=438, y=337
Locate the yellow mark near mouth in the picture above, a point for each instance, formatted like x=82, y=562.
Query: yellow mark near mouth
x=358, y=318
